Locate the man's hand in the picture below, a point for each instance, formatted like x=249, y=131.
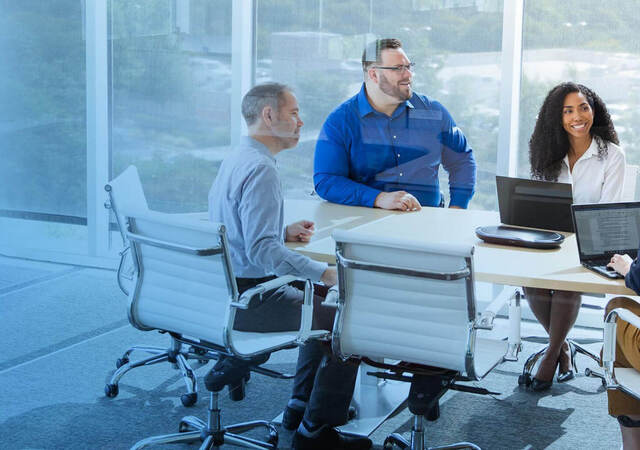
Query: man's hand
x=299, y=231
x=400, y=200
x=621, y=263
x=330, y=276
x=455, y=207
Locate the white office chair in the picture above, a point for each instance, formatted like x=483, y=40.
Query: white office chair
x=125, y=193
x=624, y=379
x=186, y=287
x=415, y=302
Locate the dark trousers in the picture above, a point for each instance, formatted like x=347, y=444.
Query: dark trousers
x=322, y=381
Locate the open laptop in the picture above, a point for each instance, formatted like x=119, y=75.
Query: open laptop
x=535, y=204
x=604, y=229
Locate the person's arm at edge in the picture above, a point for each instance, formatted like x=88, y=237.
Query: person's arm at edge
x=632, y=278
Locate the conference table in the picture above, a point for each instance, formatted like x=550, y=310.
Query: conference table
x=503, y=265
x=558, y=268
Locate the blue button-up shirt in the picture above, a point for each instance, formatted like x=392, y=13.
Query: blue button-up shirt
x=246, y=197
x=361, y=152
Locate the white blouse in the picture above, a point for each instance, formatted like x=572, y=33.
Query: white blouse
x=596, y=180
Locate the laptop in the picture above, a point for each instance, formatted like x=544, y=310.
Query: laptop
x=604, y=229
x=535, y=204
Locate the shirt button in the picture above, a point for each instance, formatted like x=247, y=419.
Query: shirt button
x=400, y=173
x=398, y=155
x=394, y=136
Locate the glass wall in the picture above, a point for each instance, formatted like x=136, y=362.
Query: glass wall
x=43, y=193
x=170, y=68
x=589, y=43
x=316, y=47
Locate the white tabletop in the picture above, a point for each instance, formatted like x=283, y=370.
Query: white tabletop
x=553, y=269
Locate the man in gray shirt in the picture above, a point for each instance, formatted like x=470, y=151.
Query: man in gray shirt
x=247, y=197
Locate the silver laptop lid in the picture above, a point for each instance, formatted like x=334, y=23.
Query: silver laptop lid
x=603, y=229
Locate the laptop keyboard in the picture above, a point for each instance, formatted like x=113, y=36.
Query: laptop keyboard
x=601, y=268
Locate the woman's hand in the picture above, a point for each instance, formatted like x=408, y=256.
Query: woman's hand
x=621, y=263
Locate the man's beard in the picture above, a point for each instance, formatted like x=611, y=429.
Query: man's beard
x=394, y=91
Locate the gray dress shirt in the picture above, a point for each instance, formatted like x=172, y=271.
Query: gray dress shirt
x=246, y=197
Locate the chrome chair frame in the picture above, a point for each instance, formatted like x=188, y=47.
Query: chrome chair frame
x=176, y=354
x=211, y=432
x=618, y=378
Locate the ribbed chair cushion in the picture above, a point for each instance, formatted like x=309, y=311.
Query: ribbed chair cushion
x=408, y=317
x=182, y=293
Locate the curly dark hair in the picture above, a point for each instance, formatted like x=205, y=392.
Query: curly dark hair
x=549, y=143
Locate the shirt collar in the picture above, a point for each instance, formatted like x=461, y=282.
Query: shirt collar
x=589, y=153
x=364, y=107
x=249, y=142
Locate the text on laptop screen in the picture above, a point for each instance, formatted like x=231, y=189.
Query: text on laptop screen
x=608, y=230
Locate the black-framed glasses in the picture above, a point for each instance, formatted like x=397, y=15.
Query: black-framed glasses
x=399, y=69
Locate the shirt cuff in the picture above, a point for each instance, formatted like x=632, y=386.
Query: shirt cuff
x=369, y=197
x=314, y=270
x=460, y=198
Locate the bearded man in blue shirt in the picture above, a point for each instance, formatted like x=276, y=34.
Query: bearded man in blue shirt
x=383, y=147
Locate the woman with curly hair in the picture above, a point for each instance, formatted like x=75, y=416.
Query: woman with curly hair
x=574, y=141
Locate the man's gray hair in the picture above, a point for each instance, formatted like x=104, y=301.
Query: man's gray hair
x=261, y=95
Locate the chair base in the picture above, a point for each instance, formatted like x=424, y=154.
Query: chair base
x=212, y=435
x=526, y=378
x=175, y=355
x=417, y=440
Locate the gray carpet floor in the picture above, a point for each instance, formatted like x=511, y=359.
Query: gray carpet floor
x=63, y=327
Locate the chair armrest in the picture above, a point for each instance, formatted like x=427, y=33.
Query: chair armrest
x=610, y=325
x=258, y=290
x=485, y=321
x=609, y=346
x=332, y=297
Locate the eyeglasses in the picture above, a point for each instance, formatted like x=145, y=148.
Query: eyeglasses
x=398, y=69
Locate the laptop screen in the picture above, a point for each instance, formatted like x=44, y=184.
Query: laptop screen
x=607, y=228
x=536, y=204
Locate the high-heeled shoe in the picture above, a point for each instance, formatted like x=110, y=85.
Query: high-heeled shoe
x=540, y=385
x=570, y=374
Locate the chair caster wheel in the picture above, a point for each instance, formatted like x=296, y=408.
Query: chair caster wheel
x=185, y=427
x=111, y=390
x=273, y=439
x=189, y=399
x=524, y=380
x=394, y=440
x=121, y=362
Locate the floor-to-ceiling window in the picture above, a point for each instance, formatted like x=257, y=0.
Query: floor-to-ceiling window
x=43, y=194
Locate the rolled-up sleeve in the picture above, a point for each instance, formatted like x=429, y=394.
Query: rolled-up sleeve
x=458, y=161
x=632, y=279
x=259, y=210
